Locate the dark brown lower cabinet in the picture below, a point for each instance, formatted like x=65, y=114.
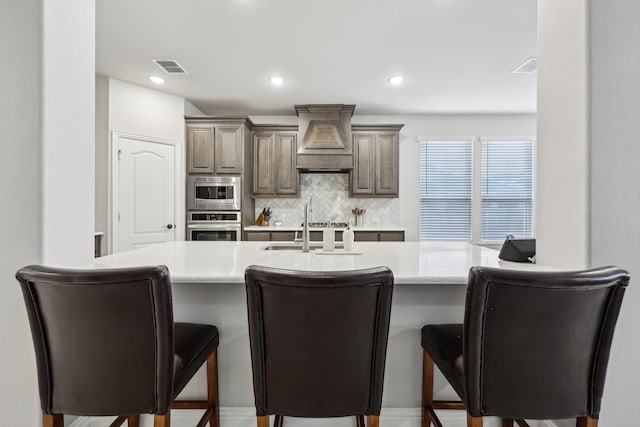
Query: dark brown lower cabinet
x=379, y=236
x=282, y=236
x=316, y=236
x=268, y=236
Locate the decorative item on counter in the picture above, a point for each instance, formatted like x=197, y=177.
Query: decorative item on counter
x=347, y=239
x=359, y=213
x=264, y=217
x=328, y=239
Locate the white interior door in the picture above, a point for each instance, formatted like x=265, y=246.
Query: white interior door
x=144, y=192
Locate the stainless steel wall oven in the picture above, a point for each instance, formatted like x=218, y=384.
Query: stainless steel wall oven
x=214, y=226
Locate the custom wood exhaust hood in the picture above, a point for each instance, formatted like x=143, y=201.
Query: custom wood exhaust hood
x=324, y=137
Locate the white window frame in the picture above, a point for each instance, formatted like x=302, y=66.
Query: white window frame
x=476, y=179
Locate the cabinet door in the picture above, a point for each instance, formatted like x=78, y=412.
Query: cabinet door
x=386, y=164
x=200, y=140
x=363, y=170
x=315, y=236
x=263, y=163
x=283, y=236
x=228, y=149
x=392, y=236
x=257, y=236
x=365, y=236
x=286, y=181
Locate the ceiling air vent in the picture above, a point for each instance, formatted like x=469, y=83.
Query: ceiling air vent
x=527, y=67
x=170, y=66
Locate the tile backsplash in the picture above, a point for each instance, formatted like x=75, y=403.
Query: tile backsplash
x=330, y=200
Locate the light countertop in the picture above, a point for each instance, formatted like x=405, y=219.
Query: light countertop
x=225, y=262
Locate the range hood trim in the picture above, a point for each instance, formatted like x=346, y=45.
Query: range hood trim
x=326, y=162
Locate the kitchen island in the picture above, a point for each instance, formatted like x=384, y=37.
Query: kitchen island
x=420, y=263
x=208, y=286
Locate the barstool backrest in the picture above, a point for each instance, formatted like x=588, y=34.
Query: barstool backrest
x=103, y=339
x=318, y=340
x=536, y=345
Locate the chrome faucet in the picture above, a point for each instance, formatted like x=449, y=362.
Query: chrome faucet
x=305, y=225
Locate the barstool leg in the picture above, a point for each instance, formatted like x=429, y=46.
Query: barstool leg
x=360, y=421
x=507, y=422
x=277, y=422
x=212, y=389
x=52, y=420
x=427, y=388
x=473, y=421
x=162, y=420
x=263, y=421
x=586, y=422
x=133, y=421
x=373, y=421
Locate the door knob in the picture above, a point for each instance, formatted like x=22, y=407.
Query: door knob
x=169, y=226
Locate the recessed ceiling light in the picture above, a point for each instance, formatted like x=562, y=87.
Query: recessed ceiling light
x=157, y=80
x=396, y=80
x=276, y=81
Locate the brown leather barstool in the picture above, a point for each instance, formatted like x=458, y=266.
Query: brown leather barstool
x=106, y=345
x=533, y=346
x=318, y=342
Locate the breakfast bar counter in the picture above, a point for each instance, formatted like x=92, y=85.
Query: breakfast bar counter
x=208, y=287
x=420, y=263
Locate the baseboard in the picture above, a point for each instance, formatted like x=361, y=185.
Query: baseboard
x=246, y=417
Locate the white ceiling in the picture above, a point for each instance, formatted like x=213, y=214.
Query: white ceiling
x=456, y=55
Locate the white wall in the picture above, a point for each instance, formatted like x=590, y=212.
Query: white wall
x=433, y=125
x=562, y=183
x=45, y=129
x=101, y=156
x=21, y=206
x=68, y=67
x=141, y=111
x=615, y=186
x=191, y=110
x=128, y=108
x=588, y=207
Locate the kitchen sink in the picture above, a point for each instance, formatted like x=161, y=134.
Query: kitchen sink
x=286, y=246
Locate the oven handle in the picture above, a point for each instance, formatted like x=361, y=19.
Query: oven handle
x=214, y=226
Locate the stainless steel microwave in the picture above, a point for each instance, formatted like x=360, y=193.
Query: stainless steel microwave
x=213, y=192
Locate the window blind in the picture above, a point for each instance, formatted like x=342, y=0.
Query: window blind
x=507, y=189
x=445, y=190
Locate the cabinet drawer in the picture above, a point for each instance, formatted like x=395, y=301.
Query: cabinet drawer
x=257, y=236
x=283, y=236
x=365, y=236
x=392, y=236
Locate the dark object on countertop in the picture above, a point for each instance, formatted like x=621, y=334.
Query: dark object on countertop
x=318, y=342
x=534, y=345
x=106, y=345
x=518, y=250
x=266, y=212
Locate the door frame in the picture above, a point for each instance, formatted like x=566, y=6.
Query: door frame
x=113, y=190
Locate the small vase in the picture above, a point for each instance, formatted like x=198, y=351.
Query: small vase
x=359, y=221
